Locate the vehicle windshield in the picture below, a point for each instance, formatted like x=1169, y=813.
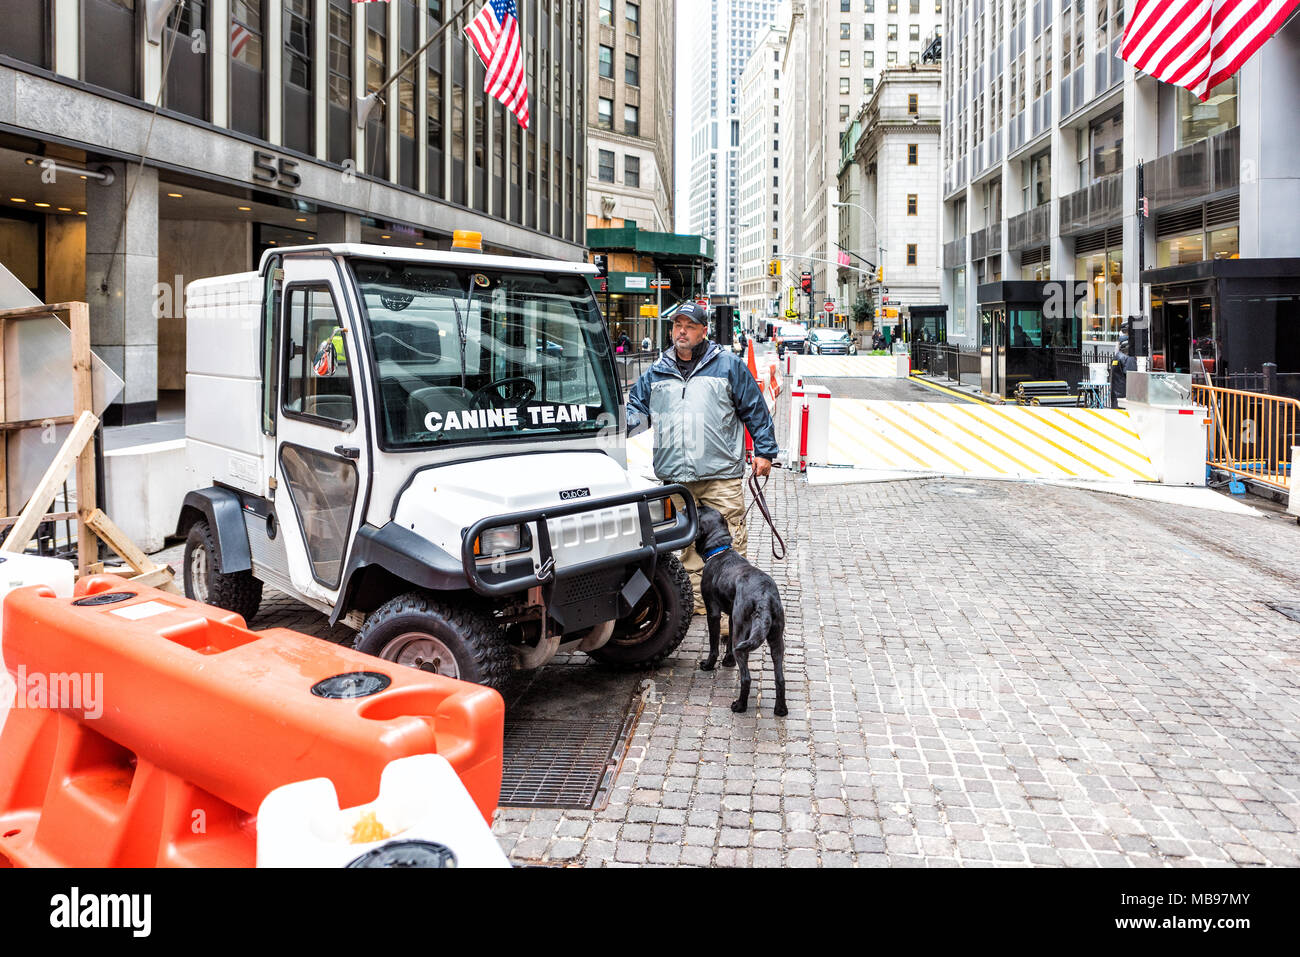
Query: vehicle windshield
x=829, y=334
x=793, y=331
x=465, y=355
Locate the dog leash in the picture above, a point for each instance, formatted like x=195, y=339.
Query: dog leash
x=756, y=493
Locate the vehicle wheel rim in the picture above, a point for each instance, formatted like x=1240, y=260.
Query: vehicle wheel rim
x=420, y=650
x=644, y=621
x=199, y=574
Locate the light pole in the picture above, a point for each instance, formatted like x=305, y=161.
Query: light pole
x=880, y=259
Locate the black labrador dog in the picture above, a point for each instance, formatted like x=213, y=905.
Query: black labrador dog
x=750, y=598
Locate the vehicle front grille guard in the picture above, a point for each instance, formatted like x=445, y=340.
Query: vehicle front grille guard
x=654, y=541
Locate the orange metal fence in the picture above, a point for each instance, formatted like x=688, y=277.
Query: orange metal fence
x=1251, y=433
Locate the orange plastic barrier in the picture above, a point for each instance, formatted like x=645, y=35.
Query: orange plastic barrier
x=198, y=720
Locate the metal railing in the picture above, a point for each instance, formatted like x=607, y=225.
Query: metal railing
x=1251, y=433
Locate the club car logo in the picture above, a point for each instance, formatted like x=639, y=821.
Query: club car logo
x=569, y=494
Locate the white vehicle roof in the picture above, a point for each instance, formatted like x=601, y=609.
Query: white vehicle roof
x=465, y=260
x=788, y=327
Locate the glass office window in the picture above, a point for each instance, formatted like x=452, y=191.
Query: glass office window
x=109, y=45
x=631, y=69
x=631, y=171
x=298, y=105
x=605, y=166
x=189, y=73
x=339, y=79
x=605, y=61
x=632, y=120
x=247, y=81
x=604, y=113
x=1197, y=120
x=1106, y=145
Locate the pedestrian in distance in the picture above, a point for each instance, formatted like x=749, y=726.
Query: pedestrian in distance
x=1120, y=365
x=700, y=398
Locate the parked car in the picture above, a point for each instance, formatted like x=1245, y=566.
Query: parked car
x=825, y=341
x=791, y=335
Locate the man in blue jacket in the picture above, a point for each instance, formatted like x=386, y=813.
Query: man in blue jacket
x=700, y=398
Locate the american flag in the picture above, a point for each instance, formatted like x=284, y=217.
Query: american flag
x=495, y=36
x=1197, y=44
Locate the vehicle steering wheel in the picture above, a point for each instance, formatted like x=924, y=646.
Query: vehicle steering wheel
x=527, y=391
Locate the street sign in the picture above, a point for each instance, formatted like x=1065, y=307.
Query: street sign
x=829, y=306
x=884, y=290
x=791, y=314
x=703, y=302
x=660, y=284
x=884, y=299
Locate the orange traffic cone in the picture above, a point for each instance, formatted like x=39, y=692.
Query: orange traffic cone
x=753, y=367
x=775, y=382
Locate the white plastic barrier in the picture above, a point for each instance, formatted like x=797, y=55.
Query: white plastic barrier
x=810, y=418
x=1175, y=440
x=421, y=804
x=903, y=367
x=18, y=571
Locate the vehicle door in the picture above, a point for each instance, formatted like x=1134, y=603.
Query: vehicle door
x=321, y=453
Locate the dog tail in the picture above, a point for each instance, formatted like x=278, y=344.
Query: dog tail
x=760, y=625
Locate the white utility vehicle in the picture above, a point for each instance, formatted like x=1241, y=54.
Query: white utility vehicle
x=430, y=448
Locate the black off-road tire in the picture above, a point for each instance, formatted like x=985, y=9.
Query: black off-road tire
x=656, y=625
x=239, y=592
x=413, y=625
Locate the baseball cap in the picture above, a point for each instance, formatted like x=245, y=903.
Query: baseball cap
x=694, y=312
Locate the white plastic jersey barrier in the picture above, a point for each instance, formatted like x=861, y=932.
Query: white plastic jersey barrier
x=810, y=415
x=991, y=441
x=421, y=804
x=18, y=571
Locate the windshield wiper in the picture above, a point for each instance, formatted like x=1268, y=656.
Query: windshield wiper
x=462, y=333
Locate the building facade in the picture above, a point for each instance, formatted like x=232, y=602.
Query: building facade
x=759, y=169
x=136, y=160
x=631, y=70
x=724, y=47
x=1044, y=130
x=838, y=51
x=889, y=185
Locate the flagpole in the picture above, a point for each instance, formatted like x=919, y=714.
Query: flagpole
x=365, y=104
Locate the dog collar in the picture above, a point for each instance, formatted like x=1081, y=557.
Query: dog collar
x=716, y=551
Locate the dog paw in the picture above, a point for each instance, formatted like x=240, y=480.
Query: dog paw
x=739, y=707
x=706, y=666
x=780, y=711
x=729, y=662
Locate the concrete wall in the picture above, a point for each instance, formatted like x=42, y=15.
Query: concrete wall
x=191, y=249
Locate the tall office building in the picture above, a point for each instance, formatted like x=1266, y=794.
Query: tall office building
x=759, y=169
x=722, y=46
x=836, y=52
x=631, y=64
x=1044, y=129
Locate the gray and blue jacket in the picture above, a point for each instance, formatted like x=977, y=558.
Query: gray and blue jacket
x=700, y=420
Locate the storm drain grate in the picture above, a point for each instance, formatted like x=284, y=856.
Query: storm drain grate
x=560, y=764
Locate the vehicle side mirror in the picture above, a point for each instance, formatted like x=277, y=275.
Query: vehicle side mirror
x=326, y=360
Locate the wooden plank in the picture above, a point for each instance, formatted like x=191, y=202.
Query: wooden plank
x=34, y=513
x=116, y=539
x=31, y=423
x=160, y=577
x=35, y=312
x=47, y=517
x=82, y=402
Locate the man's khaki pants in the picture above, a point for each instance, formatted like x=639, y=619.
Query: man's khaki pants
x=728, y=497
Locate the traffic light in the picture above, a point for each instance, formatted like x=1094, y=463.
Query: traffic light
x=880, y=274
x=602, y=264
x=774, y=267
x=805, y=282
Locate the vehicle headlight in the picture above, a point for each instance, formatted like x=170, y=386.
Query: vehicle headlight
x=503, y=540
x=661, y=511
